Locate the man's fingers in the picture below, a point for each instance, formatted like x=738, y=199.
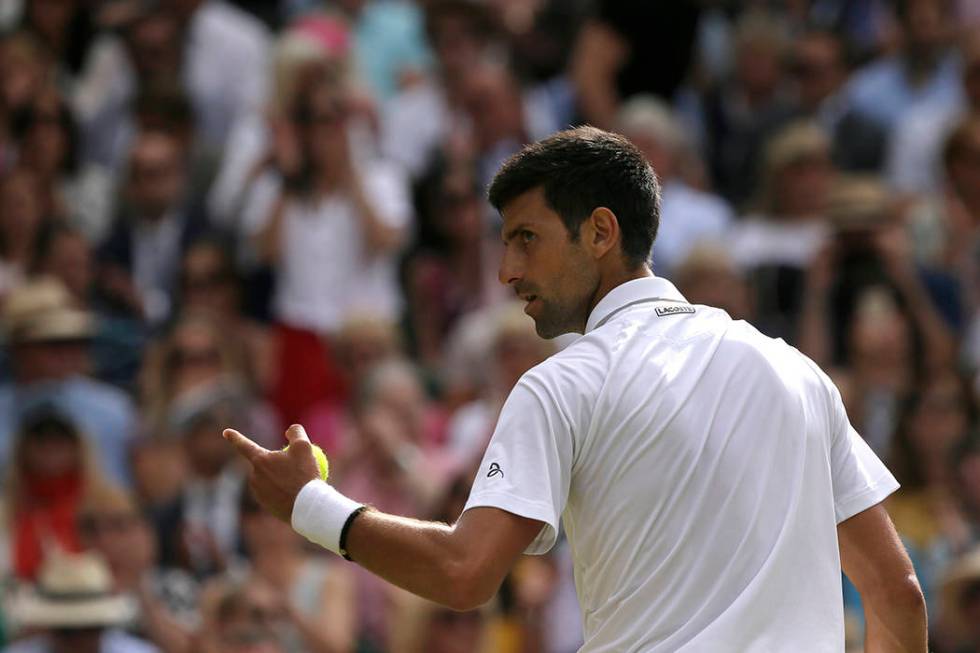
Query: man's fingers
x=246, y=447
x=296, y=433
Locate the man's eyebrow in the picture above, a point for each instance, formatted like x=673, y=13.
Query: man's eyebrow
x=514, y=231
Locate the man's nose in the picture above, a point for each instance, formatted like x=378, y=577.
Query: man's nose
x=509, y=272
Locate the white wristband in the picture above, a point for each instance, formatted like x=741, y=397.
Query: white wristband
x=320, y=512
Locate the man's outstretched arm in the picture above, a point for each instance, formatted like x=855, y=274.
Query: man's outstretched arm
x=460, y=566
x=873, y=557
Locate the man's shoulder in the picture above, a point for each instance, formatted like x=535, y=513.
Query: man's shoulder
x=571, y=376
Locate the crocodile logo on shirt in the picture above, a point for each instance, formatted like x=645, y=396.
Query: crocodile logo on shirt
x=495, y=471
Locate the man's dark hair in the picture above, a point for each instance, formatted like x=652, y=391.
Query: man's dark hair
x=580, y=170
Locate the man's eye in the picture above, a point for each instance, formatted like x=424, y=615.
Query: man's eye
x=527, y=236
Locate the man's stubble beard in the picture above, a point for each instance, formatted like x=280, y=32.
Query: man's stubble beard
x=568, y=316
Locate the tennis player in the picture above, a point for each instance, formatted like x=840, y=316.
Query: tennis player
x=709, y=481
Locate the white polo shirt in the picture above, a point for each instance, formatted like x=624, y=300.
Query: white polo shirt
x=700, y=469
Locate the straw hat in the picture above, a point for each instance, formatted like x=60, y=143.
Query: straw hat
x=963, y=572
x=72, y=591
x=42, y=310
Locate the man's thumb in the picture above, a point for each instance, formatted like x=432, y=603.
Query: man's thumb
x=296, y=433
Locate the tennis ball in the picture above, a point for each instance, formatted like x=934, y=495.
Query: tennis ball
x=321, y=461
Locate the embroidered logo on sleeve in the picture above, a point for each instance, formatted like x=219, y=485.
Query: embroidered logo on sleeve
x=664, y=311
x=495, y=470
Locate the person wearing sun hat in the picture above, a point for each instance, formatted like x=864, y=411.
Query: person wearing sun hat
x=73, y=609
x=48, y=336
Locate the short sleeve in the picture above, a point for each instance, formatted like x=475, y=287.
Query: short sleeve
x=859, y=477
x=527, y=466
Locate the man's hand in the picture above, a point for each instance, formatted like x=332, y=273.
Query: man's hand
x=278, y=476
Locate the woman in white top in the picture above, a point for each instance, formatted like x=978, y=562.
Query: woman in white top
x=329, y=225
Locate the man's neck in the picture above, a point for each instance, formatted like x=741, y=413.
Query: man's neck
x=613, y=280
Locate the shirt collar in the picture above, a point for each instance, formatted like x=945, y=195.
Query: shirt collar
x=636, y=290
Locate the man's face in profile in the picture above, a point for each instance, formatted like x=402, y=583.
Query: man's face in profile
x=546, y=268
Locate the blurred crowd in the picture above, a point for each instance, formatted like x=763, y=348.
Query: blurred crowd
x=252, y=213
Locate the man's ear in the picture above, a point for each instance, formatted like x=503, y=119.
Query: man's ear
x=600, y=232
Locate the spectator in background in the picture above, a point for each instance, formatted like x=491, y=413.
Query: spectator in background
x=869, y=248
x=389, y=43
x=363, y=342
x=210, y=284
x=22, y=217
x=738, y=115
x=52, y=471
x=922, y=72
x=431, y=628
x=540, y=36
x=708, y=275
x=687, y=215
x=361, y=207
x=195, y=357
x=48, y=146
x=502, y=118
x=776, y=244
x=112, y=526
x=165, y=108
x=452, y=268
x=819, y=71
x=396, y=460
x=331, y=225
x=397, y=457
x=212, y=50
x=312, y=595
x=881, y=366
x=25, y=69
x=64, y=253
x=966, y=479
x=224, y=73
x=48, y=341
x=421, y=118
x=961, y=598
x=200, y=529
x=316, y=45
x=934, y=419
x=159, y=470
x=75, y=610
x=241, y=618
x=915, y=151
x=945, y=228
x=621, y=51
x=141, y=256
x=943, y=237
x=146, y=54
x=64, y=28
